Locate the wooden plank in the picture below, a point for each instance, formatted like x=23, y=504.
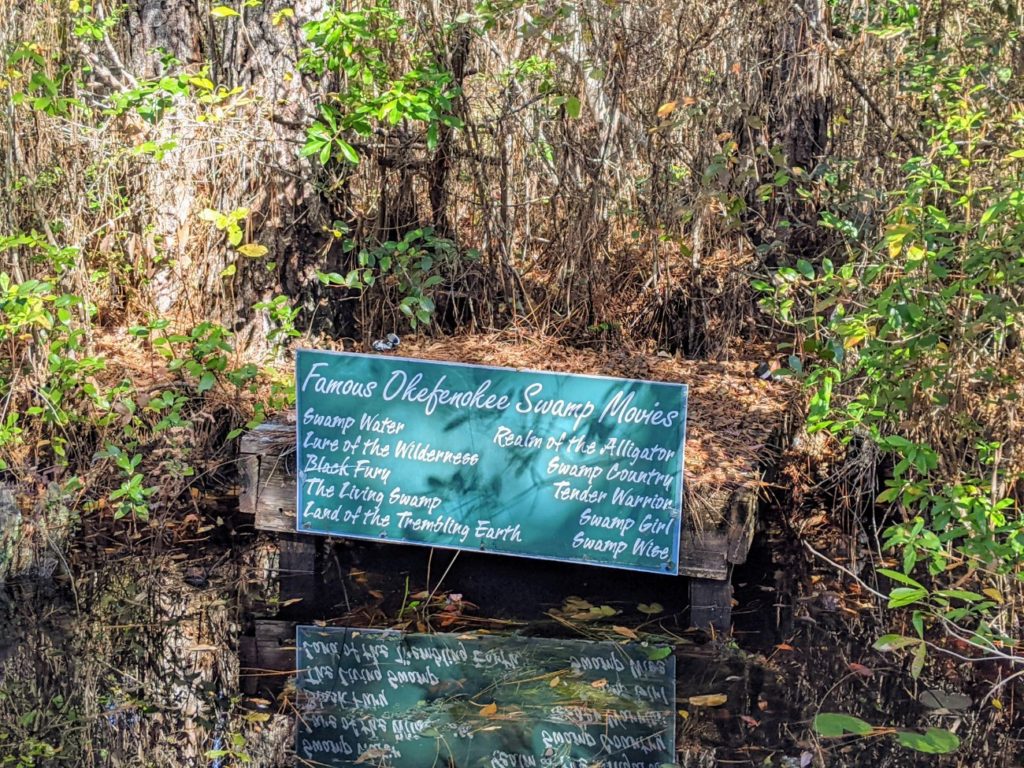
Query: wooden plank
x=742, y=522
x=270, y=437
x=267, y=658
x=275, y=501
x=267, y=469
x=249, y=477
x=711, y=604
x=299, y=577
x=702, y=555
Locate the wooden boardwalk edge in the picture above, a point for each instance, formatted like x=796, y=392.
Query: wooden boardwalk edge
x=266, y=464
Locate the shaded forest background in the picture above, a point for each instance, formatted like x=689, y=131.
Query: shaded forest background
x=633, y=165
x=189, y=188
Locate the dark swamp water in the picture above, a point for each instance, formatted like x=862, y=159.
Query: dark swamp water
x=184, y=656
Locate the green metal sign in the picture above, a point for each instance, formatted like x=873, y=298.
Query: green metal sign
x=564, y=467
x=372, y=697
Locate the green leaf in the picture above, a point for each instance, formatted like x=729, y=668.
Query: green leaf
x=894, y=642
x=832, y=725
x=348, y=151
x=223, y=12
x=650, y=609
x=917, y=665
x=934, y=741
x=572, y=107
x=330, y=278
x=206, y=381
x=960, y=594
x=902, y=596
x=657, y=653
x=900, y=577
x=252, y=250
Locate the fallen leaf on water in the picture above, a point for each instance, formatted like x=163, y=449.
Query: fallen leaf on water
x=373, y=753
x=602, y=683
x=490, y=710
x=650, y=608
x=625, y=632
x=708, y=700
x=657, y=653
x=290, y=601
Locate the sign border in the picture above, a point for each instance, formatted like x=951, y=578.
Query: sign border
x=671, y=568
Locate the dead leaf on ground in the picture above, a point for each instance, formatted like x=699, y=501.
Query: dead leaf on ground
x=625, y=632
x=861, y=670
x=489, y=711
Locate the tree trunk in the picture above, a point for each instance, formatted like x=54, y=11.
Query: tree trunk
x=244, y=156
x=801, y=104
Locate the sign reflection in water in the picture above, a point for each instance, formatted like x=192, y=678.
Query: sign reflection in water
x=386, y=698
